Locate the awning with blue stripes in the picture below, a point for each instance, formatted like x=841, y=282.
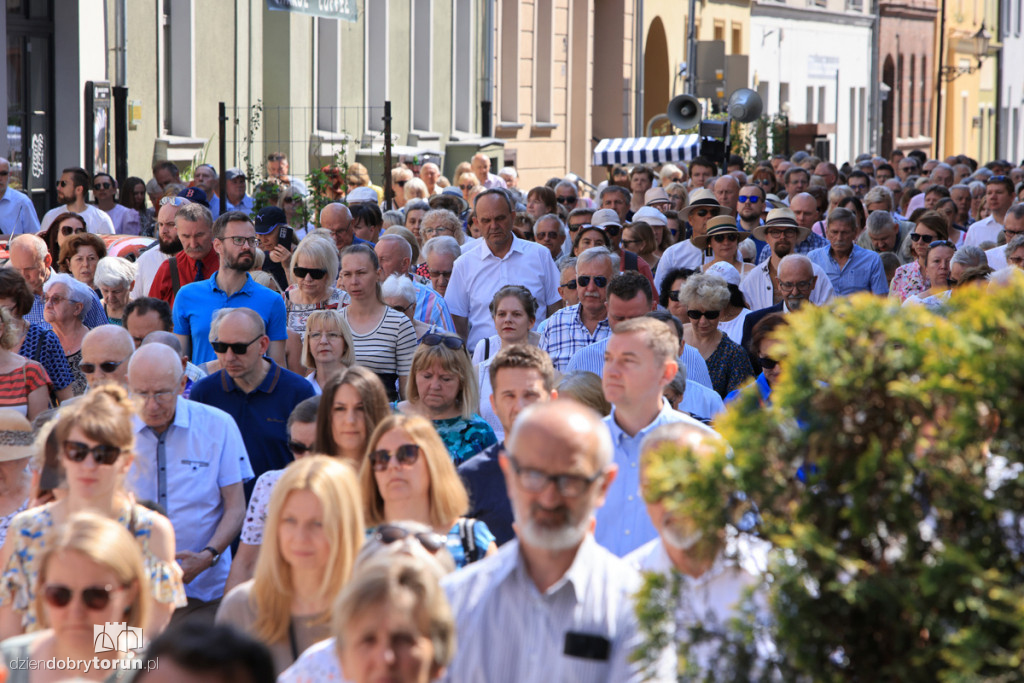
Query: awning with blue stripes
x=657, y=150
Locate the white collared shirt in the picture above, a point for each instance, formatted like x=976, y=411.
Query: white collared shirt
x=997, y=257
x=759, y=292
x=145, y=270
x=519, y=633
x=478, y=274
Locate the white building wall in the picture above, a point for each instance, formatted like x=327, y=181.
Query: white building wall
x=1011, y=143
x=787, y=47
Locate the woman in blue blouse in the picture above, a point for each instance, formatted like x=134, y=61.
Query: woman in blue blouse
x=443, y=388
x=407, y=475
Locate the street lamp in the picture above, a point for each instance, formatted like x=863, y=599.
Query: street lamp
x=976, y=45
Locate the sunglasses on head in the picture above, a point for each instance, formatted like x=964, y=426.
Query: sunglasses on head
x=298, y=448
x=388, y=534
x=404, y=455
x=918, y=237
x=76, y=451
x=599, y=280
x=453, y=343
x=94, y=597
x=315, y=273
x=238, y=348
x=71, y=230
x=696, y=315
x=575, y=228
x=106, y=366
x=767, y=363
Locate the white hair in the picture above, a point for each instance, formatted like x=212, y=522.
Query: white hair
x=399, y=286
x=442, y=244
x=78, y=292
x=33, y=242
x=508, y=170
x=880, y=221
x=113, y=272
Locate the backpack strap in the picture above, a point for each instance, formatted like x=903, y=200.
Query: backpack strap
x=175, y=276
x=487, y=348
x=630, y=260
x=37, y=356
x=469, y=545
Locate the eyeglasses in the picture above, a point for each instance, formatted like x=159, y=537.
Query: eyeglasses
x=995, y=179
x=673, y=295
x=158, y=396
x=566, y=200
x=628, y=243
x=54, y=300
x=552, y=235
x=4, y=174
x=289, y=200
x=331, y=336
x=106, y=366
x=571, y=284
x=403, y=309
x=440, y=273
x=802, y=284
x=71, y=230
x=575, y=228
x=703, y=213
x=762, y=181
x=1015, y=261
x=298, y=448
x=401, y=183
x=1010, y=234
x=776, y=233
x=275, y=157
x=76, y=451
x=600, y=281
x=858, y=186
x=610, y=229
x=102, y=186
x=242, y=241
x=697, y=315
x=174, y=201
x=237, y=348
x=918, y=237
x=63, y=183
x=315, y=273
x=752, y=198
x=435, y=231
x=388, y=534
x=453, y=343
x=93, y=597
x=730, y=237
x=568, y=485
x=767, y=363
x=466, y=188
x=405, y=455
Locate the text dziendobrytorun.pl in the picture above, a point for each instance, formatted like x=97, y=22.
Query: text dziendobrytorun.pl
x=84, y=665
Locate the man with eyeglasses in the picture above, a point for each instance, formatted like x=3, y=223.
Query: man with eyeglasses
x=550, y=232
x=395, y=257
x=105, y=353
x=1013, y=228
x=998, y=198
x=72, y=190
x=252, y=388
x=750, y=203
x=805, y=210
x=783, y=235
x=191, y=460
x=850, y=268
x=234, y=240
x=197, y=260
x=567, y=195
x=17, y=213
x=125, y=220
x=575, y=327
x=559, y=604
x=796, y=283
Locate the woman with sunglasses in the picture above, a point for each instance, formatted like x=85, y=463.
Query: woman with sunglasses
x=910, y=278
x=293, y=202
x=91, y=572
x=723, y=239
x=672, y=287
x=764, y=178
x=96, y=436
x=443, y=388
x=514, y=311
x=766, y=350
x=353, y=402
x=407, y=475
x=706, y=296
x=63, y=228
x=937, y=272
x=301, y=439
x=383, y=338
x=64, y=304
x=313, y=277
x=313, y=534
x=327, y=349
x=79, y=256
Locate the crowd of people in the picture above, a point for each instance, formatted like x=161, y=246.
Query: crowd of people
x=410, y=436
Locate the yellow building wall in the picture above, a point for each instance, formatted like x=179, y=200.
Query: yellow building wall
x=967, y=99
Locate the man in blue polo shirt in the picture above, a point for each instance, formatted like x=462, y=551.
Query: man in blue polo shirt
x=257, y=392
x=234, y=239
x=17, y=214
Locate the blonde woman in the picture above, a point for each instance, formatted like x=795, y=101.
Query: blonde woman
x=327, y=348
x=407, y=475
x=91, y=572
x=313, y=276
x=314, y=532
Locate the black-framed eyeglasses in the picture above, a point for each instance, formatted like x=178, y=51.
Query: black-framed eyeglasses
x=918, y=237
x=403, y=309
x=93, y=597
x=315, y=273
x=729, y=237
x=776, y=233
x=239, y=241
x=434, y=339
x=767, y=363
x=237, y=348
x=571, y=284
x=703, y=213
x=107, y=366
x=298, y=448
x=405, y=455
x=440, y=273
x=600, y=281
x=568, y=485
x=566, y=200
x=102, y=454
x=63, y=183
x=401, y=183
x=389, y=533
x=102, y=186
x=802, y=284
x=697, y=315
x=673, y=295
x=609, y=229
x=575, y=228
x=275, y=157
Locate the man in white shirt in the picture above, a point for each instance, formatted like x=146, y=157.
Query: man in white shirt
x=167, y=246
x=998, y=198
x=782, y=233
x=552, y=605
x=72, y=189
x=1013, y=227
x=125, y=220
x=498, y=259
x=702, y=209
x=481, y=166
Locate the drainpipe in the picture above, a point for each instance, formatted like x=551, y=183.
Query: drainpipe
x=639, y=14
x=121, y=39
x=876, y=77
x=486, y=115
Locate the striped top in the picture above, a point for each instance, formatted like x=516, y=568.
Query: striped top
x=16, y=385
x=388, y=349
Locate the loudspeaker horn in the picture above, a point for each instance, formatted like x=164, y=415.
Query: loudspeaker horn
x=684, y=111
x=745, y=105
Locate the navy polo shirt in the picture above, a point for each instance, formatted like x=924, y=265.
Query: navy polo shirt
x=261, y=415
x=488, y=496
x=196, y=302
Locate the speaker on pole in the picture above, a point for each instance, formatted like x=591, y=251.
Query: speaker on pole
x=745, y=105
x=684, y=111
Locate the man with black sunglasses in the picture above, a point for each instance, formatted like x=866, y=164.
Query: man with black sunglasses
x=72, y=190
x=575, y=327
x=125, y=220
x=105, y=353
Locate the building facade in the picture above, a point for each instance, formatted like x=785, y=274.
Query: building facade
x=906, y=45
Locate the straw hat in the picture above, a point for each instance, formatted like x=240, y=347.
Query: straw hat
x=781, y=218
x=656, y=195
x=16, y=437
x=719, y=225
x=703, y=198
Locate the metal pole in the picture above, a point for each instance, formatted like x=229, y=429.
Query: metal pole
x=691, y=50
x=222, y=120
x=120, y=133
x=388, y=193
x=938, y=81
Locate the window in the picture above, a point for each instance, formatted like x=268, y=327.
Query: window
x=925, y=103
x=719, y=30
x=543, y=61
x=764, y=90
x=737, y=40
x=463, y=55
x=822, y=102
x=177, y=66
x=911, y=95
x=784, y=97
x=900, y=133
x=376, y=63
x=810, y=105
x=509, y=68
x=328, y=74
x=422, y=64
x=853, y=124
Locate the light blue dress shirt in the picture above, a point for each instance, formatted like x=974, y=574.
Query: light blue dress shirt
x=431, y=308
x=622, y=523
x=863, y=271
x=17, y=214
x=591, y=359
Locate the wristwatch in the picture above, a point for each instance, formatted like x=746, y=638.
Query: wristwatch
x=213, y=551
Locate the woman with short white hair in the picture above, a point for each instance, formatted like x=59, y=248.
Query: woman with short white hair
x=706, y=296
x=439, y=254
x=115, y=278
x=400, y=294
x=65, y=301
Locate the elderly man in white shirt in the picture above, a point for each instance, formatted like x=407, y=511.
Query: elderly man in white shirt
x=714, y=571
x=498, y=259
x=192, y=462
x=782, y=233
x=552, y=605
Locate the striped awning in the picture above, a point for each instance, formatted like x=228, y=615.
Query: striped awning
x=611, y=151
